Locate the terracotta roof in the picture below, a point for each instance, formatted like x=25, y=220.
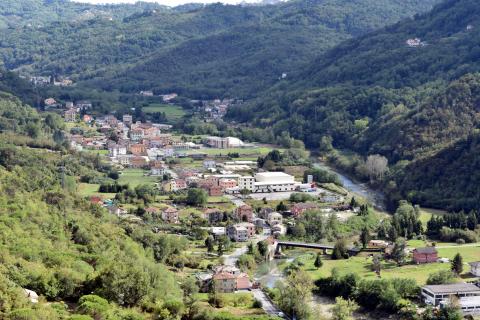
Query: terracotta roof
x=223, y=276
x=170, y=210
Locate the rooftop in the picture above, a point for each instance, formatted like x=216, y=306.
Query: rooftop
x=426, y=250
x=452, y=288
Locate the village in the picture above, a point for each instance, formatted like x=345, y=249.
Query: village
x=243, y=203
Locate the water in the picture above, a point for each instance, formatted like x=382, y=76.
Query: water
x=375, y=197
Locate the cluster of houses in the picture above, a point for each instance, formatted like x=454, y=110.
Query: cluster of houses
x=49, y=80
x=215, y=109
x=248, y=223
x=168, y=215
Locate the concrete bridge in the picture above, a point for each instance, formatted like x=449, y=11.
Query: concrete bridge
x=322, y=247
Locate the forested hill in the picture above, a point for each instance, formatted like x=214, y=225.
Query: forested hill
x=212, y=50
x=38, y=13
x=248, y=57
x=449, y=48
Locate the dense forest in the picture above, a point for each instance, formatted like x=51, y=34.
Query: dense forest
x=215, y=50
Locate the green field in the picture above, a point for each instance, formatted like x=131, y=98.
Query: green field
x=361, y=264
x=89, y=189
x=172, y=112
x=134, y=177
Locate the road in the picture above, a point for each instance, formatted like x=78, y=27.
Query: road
x=267, y=304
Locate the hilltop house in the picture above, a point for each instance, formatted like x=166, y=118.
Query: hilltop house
x=170, y=215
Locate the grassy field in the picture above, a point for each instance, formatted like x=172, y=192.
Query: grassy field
x=172, y=112
x=362, y=264
x=88, y=190
x=135, y=177
x=426, y=215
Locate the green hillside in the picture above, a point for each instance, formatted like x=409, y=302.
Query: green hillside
x=212, y=50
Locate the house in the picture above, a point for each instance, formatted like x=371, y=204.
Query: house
x=127, y=119
x=225, y=282
x=244, y=213
x=71, y=115
x=278, y=230
x=382, y=244
x=152, y=210
x=111, y=120
x=300, y=208
x=209, y=164
x=435, y=294
x=87, y=118
x=174, y=185
x=264, y=212
x=158, y=169
x=138, y=149
x=84, y=105
x=241, y=232
x=137, y=134
x=227, y=183
x=96, y=200
x=475, y=268
x=138, y=162
x=170, y=215
x=243, y=282
x=50, y=102
x=213, y=215
x=146, y=93
x=203, y=281
x=425, y=255
x=215, y=191
x=274, y=218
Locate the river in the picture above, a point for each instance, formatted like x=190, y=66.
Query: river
x=375, y=197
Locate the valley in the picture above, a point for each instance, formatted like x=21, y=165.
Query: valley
x=302, y=159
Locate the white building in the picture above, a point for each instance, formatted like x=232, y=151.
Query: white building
x=475, y=268
x=274, y=218
x=468, y=305
x=224, y=143
x=435, y=294
x=274, y=182
x=246, y=182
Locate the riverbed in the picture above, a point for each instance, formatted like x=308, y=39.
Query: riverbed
x=375, y=197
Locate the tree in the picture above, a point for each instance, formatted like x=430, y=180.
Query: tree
x=441, y=277
x=398, y=252
x=209, y=243
x=365, y=237
x=318, y=261
x=457, y=264
x=343, y=309
x=376, y=165
x=295, y=294
x=377, y=264
x=340, y=250
x=197, y=197
x=281, y=207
